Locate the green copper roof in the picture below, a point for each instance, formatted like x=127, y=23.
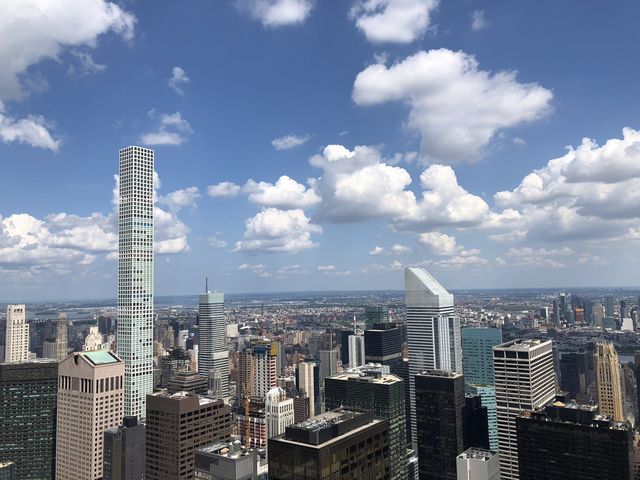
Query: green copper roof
x=101, y=357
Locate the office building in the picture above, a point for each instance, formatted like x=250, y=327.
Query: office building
x=135, y=276
x=176, y=361
x=93, y=341
x=343, y=342
x=609, y=303
x=62, y=337
x=376, y=314
x=228, y=461
x=525, y=379
x=433, y=331
x=257, y=368
x=16, y=347
x=478, y=464
x=28, y=397
x=8, y=471
x=574, y=372
x=440, y=401
x=572, y=442
x=383, y=345
x=213, y=354
x=252, y=422
x=356, y=351
x=597, y=315
x=90, y=401
x=176, y=426
x=368, y=388
x=49, y=349
x=188, y=381
x=608, y=384
x=306, y=383
x=279, y=412
x=475, y=423
x=477, y=350
x=487, y=395
x=341, y=444
x=124, y=451
x=328, y=364
x=301, y=407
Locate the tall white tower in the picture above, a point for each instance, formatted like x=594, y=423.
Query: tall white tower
x=135, y=276
x=17, y=335
x=213, y=355
x=433, y=330
x=305, y=382
x=525, y=380
x=356, y=351
x=278, y=412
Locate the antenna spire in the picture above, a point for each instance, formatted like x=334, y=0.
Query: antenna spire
x=206, y=284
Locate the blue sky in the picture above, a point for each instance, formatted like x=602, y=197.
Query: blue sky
x=316, y=145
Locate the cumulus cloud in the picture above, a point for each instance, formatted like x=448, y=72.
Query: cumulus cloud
x=459, y=262
x=590, y=193
x=277, y=13
x=285, y=194
x=178, y=80
x=84, y=65
x=445, y=245
x=32, y=130
x=216, y=241
x=326, y=268
x=455, y=106
x=178, y=199
x=376, y=250
x=396, y=21
x=172, y=129
x=274, y=230
x=479, y=20
x=398, y=249
x=287, y=142
x=224, y=189
x=538, y=257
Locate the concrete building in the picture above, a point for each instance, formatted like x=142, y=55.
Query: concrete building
x=28, y=397
x=135, y=276
x=279, y=412
x=49, y=349
x=16, y=348
x=608, y=385
x=177, y=360
x=213, y=354
x=339, y=444
x=93, y=341
x=62, y=337
x=306, y=383
x=229, y=461
x=369, y=388
x=478, y=464
x=572, y=442
x=176, y=426
x=188, y=381
x=525, y=379
x=124, y=451
x=90, y=401
x=356, y=351
x=433, y=331
x=440, y=401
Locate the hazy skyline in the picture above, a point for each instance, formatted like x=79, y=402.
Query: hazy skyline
x=307, y=145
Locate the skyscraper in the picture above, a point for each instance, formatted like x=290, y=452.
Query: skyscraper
x=368, y=388
x=376, y=314
x=177, y=425
x=608, y=385
x=478, y=464
x=356, y=351
x=16, y=348
x=433, y=330
x=571, y=442
x=440, y=401
x=383, y=344
x=609, y=303
x=123, y=451
x=90, y=401
x=213, y=354
x=306, y=383
x=62, y=337
x=525, y=379
x=135, y=276
x=28, y=397
x=278, y=412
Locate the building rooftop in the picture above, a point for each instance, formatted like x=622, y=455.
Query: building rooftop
x=440, y=373
x=100, y=357
x=477, y=454
x=233, y=450
x=371, y=373
x=183, y=395
x=522, y=345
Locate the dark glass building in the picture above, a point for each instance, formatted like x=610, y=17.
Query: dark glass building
x=440, y=400
x=188, y=381
x=571, y=442
x=340, y=444
x=124, y=451
x=28, y=396
x=475, y=423
x=367, y=388
x=574, y=372
x=383, y=344
x=376, y=314
x=343, y=339
x=177, y=360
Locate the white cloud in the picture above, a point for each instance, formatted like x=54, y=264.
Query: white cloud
x=31, y=130
x=326, y=268
x=455, y=106
x=285, y=194
x=376, y=250
x=459, y=262
x=178, y=80
x=216, y=242
x=273, y=230
x=289, y=141
x=33, y=30
x=178, y=199
x=248, y=266
x=173, y=129
x=537, y=257
x=445, y=245
x=479, y=20
x=398, y=249
x=277, y=13
x=397, y=21
x=224, y=189
x=86, y=65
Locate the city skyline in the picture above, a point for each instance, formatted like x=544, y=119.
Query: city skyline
x=347, y=171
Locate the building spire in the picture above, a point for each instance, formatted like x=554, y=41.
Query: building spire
x=206, y=284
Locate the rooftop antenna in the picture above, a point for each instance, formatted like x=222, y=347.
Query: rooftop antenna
x=206, y=284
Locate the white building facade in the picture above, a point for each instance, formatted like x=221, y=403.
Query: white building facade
x=356, y=351
x=16, y=347
x=213, y=355
x=279, y=412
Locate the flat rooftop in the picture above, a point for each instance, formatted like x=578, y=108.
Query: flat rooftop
x=477, y=454
x=522, y=345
